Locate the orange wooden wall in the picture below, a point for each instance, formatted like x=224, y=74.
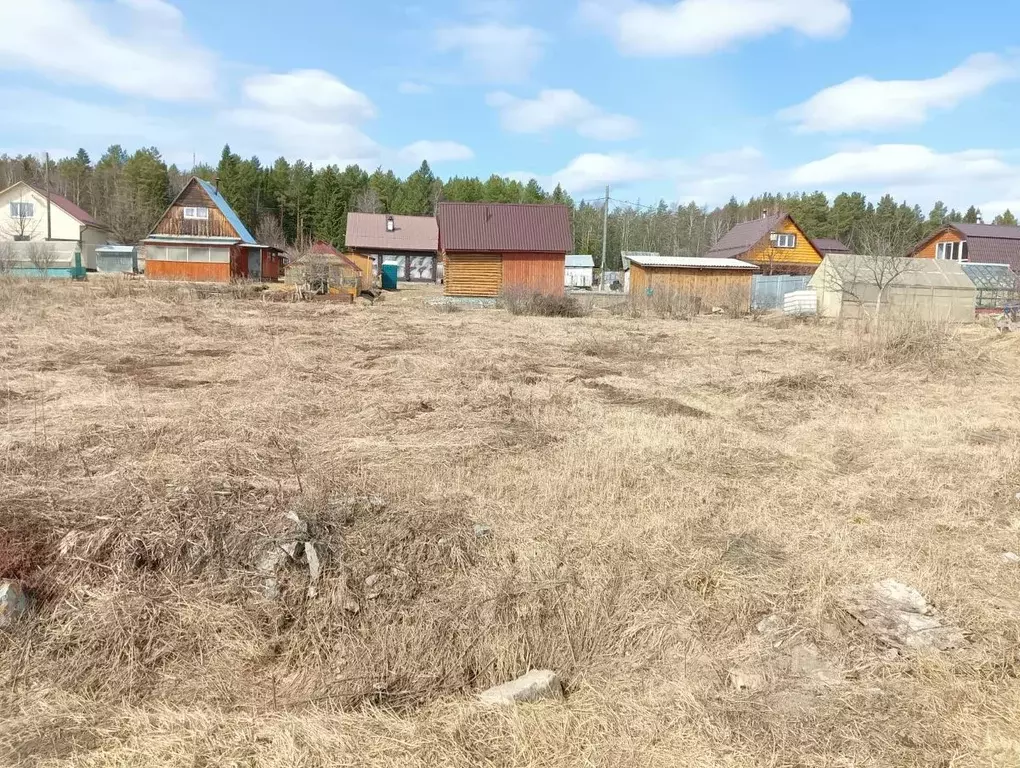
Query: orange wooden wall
x=803, y=257
x=192, y=271
x=534, y=273
x=715, y=287
x=927, y=251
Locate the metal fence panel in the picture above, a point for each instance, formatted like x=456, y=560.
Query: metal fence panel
x=767, y=291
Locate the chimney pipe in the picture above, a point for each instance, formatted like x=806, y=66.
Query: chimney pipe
x=390, y=226
x=216, y=182
x=764, y=213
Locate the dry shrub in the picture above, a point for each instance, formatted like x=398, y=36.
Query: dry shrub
x=666, y=305
x=543, y=305
x=903, y=339
x=26, y=547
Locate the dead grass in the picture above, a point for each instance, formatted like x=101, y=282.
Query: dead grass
x=654, y=491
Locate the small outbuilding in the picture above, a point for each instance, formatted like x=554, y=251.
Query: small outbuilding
x=712, y=281
x=492, y=248
x=579, y=271
x=117, y=259
x=848, y=286
x=326, y=271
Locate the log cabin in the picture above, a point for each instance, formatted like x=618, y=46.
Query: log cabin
x=494, y=248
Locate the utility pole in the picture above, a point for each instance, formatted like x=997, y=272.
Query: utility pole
x=605, y=235
x=49, y=224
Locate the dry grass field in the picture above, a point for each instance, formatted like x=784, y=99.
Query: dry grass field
x=655, y=489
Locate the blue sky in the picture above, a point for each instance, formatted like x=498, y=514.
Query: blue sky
x=684, y=100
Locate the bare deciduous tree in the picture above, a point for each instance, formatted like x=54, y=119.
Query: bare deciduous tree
x=42, y=255
x=368, y=201
x=270, y=231
x=8, y=257
x=867, y=277
x=21, y=227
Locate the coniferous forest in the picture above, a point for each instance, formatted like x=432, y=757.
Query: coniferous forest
x=288, y=204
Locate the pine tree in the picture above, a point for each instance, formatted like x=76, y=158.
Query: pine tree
x=972, y=216
x=1005, y=219
x=939, y=215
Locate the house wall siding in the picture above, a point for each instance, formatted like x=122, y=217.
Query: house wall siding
x=474, y=274
x=63, y=226
x=927, y=251
x=715, y=287
x=534, y=273
x=801, y=258
x=174, y=223
x=189, y=271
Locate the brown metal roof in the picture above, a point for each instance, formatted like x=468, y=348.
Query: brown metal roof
x=986, y=243
x=744, y=237
x=501, y=227
x=826, y=245
x=410, y=233
x=66, y=205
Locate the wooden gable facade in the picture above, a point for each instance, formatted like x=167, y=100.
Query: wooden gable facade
x=200, y=238
x=193, y=199
x=775, y=256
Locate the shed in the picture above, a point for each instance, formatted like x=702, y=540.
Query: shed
x=490, y=248
x=927, y=289
x=579, y=271
x=325, y=270
x=117, y=258
x=713, y=281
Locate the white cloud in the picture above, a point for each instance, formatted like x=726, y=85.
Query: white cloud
x=309, y=94
x=309, y=114
x=435, y=152
x=866, y=104
x=493, y=51
x=412, y=88
x=698, y=27
x=900, y=165
x=561, y=109
x=135, y=47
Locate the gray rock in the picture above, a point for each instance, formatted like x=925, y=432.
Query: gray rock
x=534, y=686
x=1010, y=557
x=899, y=616
x=372, y=580
x=746, y=680
x=301, y=529
x=15, y=603
x=770, y=624
x=482, y=531
x=806, y=661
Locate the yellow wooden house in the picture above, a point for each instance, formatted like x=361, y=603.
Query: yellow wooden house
x=775, y=244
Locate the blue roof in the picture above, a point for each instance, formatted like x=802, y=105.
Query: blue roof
x=227, y=211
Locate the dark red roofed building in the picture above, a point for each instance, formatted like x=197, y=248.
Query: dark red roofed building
x=975, y=243
x=492, y=248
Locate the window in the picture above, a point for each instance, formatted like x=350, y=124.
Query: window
x=951, y=251
x=786, y=241
x=22, y=210
x=197, y=212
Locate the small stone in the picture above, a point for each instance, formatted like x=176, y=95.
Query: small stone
x=372, y=580
x=314, y=568
x=534, y=686
x=746, y=680
x=351, y=606
x=1010, y=557
x=770, y=624
x=806, y=661
x=442, y=541
x=15, y=602
x=482, y=531
x=373, y=595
